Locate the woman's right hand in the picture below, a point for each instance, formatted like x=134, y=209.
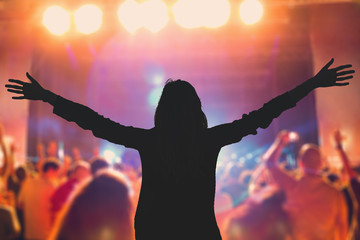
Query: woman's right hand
x=25, y=90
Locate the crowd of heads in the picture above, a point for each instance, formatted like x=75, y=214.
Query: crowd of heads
x=93, y=199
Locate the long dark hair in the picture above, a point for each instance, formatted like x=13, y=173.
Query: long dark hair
x=179, y=121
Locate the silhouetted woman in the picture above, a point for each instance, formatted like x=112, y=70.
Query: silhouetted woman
x=179, y=154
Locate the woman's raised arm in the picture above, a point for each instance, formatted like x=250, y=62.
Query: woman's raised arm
x=327, y=77
x=83, y=116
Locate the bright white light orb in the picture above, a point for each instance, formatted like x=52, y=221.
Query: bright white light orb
x=88, y=19
x=217, y=13
x=155, y=15
x=129, y=15
x=201, y=13
x=56, y=20
x=251, y=11
x=189, y=13
x=109, y=155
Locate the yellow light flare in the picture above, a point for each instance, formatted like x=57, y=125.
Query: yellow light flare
x=56, y=20
x=155, y=15
x=129, y=15
x=88, y=19
x=251, y=11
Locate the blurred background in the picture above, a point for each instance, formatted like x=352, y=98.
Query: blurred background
x=115, y=56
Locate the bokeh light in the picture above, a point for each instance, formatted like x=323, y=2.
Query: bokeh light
x=88, y=19
x=154, y=96
x=129, y=15
x=155, y=15
x=201, y=13
x=109, y=155
x=217, y=13
x=56, y=20
x=187, y=13
x=251, y=11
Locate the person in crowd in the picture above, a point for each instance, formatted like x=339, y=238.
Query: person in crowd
x=260, y=217
x=79, y=172
x=352, y=189
x=223, y=205
x=9, y=224
x=76, y=154
x=6, y=166
x=34, y=199
x=232, y=185
x=316, y=209
x=97, y=163
x=178, y=155
x=100, y=209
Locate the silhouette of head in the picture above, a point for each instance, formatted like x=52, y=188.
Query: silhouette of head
x=309, y=157
x=98, y=163
x=179, y=108
x=100, y=209
x=179, y=121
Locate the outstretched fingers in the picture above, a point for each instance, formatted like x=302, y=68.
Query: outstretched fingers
x=342, y=67
x=344, y=78
x=329, y=63
x=17, y=81
x=15, y=91
x=345, y=72
x=20, y=97
x=30, y=77
x=341, y=84
x=13, y=86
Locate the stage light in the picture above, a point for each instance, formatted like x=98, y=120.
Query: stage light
x=155, y=15
x=201, y=13
x=129, y=15
x=154, y=96
x=188, y=13
x=251, y=11
x=88, y=19
x=109, y=155
x=217, y=13
x=56, y=20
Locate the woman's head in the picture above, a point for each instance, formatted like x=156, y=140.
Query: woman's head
x=179, y=107
x=178, y=123
x=100, y=209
